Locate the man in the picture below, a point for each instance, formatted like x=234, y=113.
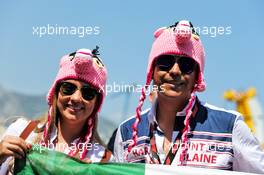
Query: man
x=179, y=129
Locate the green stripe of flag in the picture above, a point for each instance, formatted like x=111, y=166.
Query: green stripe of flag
x=43, y=161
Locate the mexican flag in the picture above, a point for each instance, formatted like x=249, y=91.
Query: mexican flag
x=43, y=161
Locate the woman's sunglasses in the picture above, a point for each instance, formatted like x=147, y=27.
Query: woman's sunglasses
x=88, y=93
x=166, y=62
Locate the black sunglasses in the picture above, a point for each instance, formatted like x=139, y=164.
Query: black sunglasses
x=88, y=93
x=166, y=62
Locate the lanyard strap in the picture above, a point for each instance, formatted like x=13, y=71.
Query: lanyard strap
x=172, y=152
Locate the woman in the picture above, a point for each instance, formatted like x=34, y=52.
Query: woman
x=74, y=99
x=178, y=129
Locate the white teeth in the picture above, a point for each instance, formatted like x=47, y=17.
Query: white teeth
x=75, y=107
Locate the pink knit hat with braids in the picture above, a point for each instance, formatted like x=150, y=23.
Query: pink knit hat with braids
x=83, y=65
x=179, y=39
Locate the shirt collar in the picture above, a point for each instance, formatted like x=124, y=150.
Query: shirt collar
x=152, y=114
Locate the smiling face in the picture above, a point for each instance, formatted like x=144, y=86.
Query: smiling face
x=173, y=83
x=72, y=105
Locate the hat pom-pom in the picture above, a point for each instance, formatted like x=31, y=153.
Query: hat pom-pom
x=183, y=32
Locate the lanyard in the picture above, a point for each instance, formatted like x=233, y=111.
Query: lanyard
x=173, y=150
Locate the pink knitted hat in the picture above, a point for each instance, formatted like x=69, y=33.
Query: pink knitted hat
x=83, y=65
x=179, y=39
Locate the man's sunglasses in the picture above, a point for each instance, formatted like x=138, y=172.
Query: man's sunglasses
x=166, y=62
x=88, y=93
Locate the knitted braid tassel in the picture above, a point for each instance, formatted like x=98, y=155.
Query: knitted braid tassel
x=186, y=129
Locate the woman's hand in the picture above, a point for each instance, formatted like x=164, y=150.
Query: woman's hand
x=13, y=146
x=87, y=160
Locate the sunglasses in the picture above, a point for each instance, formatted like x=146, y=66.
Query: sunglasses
x=88, y=93
x=166, y=62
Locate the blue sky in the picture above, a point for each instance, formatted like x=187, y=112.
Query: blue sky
x=29, y=62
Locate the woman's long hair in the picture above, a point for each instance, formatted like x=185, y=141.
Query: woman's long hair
x=54, y=120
